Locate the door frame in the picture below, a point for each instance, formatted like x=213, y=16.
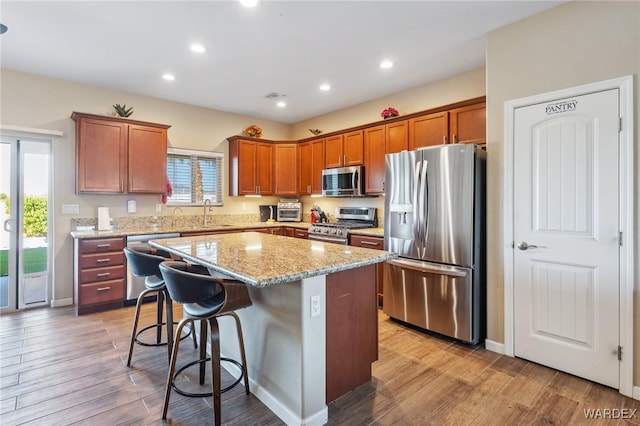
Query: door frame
x=47, y=136
x=626, y=201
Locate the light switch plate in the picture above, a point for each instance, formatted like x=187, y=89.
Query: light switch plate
x=131, y=206
x=70, y=208
x=158, y=207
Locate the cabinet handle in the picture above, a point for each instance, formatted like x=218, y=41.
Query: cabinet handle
x=339, y=160
x=102, y=260
x=103, y=245
x=455, y=138
x=309, y=189
x=369, y=243
x=100, y=289
x=445, y=138
x=103, y=274
x=344, y=157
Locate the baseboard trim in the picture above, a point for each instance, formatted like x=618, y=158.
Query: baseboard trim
x=284, y=413
x=57, y=303
x=636, y=393
x=492, y=346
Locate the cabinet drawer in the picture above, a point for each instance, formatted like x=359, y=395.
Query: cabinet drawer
x=301, y=234
x=106, y=291
x=102, y=274
x=98, y=260
x=101, y=245
x=367, y=242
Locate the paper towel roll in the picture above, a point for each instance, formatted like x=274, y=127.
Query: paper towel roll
x=104, y=221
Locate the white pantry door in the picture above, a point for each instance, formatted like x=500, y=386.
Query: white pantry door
x=566, y=222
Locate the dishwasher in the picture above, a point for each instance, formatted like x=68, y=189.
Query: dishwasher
x=135, y=285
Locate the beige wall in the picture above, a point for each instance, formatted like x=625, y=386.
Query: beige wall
x=573, y=44
x=463, y=86
x=38, y=102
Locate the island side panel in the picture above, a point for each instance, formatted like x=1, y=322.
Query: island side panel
x=285, y=349
x=352, y=329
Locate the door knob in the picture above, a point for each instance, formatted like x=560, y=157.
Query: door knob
x=524, y=246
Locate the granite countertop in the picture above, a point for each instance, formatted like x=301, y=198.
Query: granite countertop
x=82, y=234
x=262, y=260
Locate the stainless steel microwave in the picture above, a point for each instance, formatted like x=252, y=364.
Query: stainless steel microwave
x=343, y=182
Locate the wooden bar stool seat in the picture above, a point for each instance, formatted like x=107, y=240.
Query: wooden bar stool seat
x=144, y=261
x=205, y=298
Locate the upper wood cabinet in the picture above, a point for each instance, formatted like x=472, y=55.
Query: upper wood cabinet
x=116, y=155
x=250, y=167
x=468, y=124
x=378, y=141
x=310, y=165
x=344, y=150
x=396, y=137
x=285, y=171
x=374, y=150
x=427, y=130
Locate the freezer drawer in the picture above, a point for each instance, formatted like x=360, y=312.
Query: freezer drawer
x=432, y=296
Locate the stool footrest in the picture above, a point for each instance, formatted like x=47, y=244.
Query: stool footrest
x=149, y=327
x=205, y=394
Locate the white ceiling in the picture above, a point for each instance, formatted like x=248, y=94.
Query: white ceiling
x=288, y=47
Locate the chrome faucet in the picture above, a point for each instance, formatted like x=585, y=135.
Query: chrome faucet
x=204, y=216
x=173, y=216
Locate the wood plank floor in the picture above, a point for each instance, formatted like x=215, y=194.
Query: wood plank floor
x=60, y=369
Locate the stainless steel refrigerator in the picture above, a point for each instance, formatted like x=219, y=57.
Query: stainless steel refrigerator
x=435, y=221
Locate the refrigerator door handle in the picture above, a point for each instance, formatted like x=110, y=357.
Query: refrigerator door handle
x=453, y=271
x=425, y=204
x=421, y=207
x=417, y=220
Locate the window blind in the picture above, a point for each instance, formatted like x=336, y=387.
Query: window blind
x=195, y=176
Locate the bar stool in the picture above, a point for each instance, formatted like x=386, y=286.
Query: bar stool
x=205, y=298
x=144, y=261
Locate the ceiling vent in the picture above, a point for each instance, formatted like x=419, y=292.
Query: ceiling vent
x=274, y=96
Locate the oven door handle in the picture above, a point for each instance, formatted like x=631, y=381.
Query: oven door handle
x=328, y=239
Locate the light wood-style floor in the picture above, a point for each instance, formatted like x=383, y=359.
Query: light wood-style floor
x=59, y=369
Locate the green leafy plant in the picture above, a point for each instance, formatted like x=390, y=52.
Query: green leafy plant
x=122, y=110
x=34, y=214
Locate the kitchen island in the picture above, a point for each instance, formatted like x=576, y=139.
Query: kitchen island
x=311, y=334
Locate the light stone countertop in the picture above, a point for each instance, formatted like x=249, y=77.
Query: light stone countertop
x=373, y=232
x=182, y=229
x=262, y=260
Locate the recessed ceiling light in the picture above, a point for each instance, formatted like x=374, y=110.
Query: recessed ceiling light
x=249, y=3
x=198, y=48
x=281, y=104
x=386, y=64
x=325, y=87
x=168, y=76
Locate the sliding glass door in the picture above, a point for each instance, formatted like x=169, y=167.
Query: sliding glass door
x=25, y=198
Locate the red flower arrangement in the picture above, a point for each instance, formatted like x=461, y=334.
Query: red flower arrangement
x=389, y=112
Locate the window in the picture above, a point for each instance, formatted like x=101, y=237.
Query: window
x=195, y=176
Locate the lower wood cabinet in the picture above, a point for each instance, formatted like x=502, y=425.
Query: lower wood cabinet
x=266, y=230
x=376, y=243
x=295, y=233
x=99, y=274
x=352, y=329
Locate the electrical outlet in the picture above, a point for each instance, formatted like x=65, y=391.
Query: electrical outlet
x=158, y=207
x=243, y=207
x=315, y=306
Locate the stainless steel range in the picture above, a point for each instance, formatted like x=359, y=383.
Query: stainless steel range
x=346, y=218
